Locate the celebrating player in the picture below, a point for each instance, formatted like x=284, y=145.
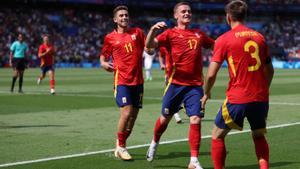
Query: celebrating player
x=185, y=80
x=165, y=65
x=251, y=73
x=125, y=45
x=46, y=54
x=18, y=60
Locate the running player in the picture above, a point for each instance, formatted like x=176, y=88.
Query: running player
x=185, y=80
x=46, y=54
x=18, y=60
x=251, y=73
x=125, y=45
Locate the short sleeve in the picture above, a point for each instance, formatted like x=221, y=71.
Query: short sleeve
x=107, y=48
x=142, y=36
x=13, y=47
x=219, y=53
x=163, y=38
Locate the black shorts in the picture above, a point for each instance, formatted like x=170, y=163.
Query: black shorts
x=19, y=63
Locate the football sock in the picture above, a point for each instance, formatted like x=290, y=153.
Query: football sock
x=218, y=153
x=262, y=151
x=13, y=84
x=122, y=139
x=194, y=139
x=127, y=133
x=20, y=83
x=159, y=130
x=52, y=84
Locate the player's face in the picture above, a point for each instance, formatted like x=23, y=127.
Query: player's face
x=121, y=18
x=183, y=14
x=20, y=37
x=46, y=39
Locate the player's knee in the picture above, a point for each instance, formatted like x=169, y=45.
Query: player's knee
x=218, y=133
x=195, y=120
x=258, y=133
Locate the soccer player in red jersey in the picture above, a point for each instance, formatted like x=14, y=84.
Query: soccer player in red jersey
x=186, y=78
x=125, y=45
x=46, y=54
x=251, y=72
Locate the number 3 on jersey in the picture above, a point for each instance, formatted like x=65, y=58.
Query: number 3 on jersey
x=253, y=55
x=128, y=47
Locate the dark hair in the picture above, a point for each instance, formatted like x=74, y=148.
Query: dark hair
x=179, y=4
x=118, y=8
x=237, y=9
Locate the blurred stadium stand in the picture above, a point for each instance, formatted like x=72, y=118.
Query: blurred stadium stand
x=77, y=27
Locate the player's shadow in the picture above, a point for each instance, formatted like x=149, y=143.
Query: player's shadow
x=171, y=155
x=30, y=126
x=255, y=166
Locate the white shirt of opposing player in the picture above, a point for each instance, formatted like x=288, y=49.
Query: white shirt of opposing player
x=148, y=59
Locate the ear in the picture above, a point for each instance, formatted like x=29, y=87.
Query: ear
x=115, y=20
x=176, y=15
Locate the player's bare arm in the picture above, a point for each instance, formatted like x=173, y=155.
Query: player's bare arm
x=161, y=62
x=151, y=42
x=10, y=58
x=269, y=72
x=210, y=81
x=105, y=64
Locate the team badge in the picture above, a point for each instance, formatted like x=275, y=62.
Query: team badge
x=133, y=37
x=124, y=100
x=198, y=36
x=117, y=42
x=166, y=111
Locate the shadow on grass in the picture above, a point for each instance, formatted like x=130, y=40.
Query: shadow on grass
x=30, y=126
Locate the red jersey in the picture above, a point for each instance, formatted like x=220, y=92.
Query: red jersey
x=246, y=53
x=184, y=47
x=47, y=59
x=168, y=63
x=126, y=50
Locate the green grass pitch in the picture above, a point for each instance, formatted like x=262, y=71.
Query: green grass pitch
x=82, y=118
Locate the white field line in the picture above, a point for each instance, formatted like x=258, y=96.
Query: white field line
x=130, y=147
x=111, y=96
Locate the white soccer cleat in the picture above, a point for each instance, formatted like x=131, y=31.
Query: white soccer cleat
x=151, y=151
x=52, y=91
x=122, y=153
x=195, y=165
x=177, y=118
x=38, y=82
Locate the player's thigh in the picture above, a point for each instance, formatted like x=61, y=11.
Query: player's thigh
x=123, y=95
x=137, y=93
x=257, y=113
x=192, y=103
x=231, y=116
x=172, y=99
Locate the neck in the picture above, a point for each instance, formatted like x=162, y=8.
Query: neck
x=235, y=24
x=182, y=26
x=121, y=29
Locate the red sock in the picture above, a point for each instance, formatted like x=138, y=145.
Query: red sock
x=122, y=139
x=194, y=139
x=159, y=130
x=218, y=153
x=262, y=152
x=52, y=84
x=127, y=133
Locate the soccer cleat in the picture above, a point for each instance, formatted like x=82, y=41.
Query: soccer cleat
x=177, y=118
x=151, y=151
x=122, y=153
x=194, y=165
x=38, y=82
x=52, y=91
x=21, y=91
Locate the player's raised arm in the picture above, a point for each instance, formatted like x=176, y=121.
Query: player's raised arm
x=105, y=64
x=151, y=42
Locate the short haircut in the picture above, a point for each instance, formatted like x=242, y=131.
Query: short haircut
x=237, y=9
x=118, y=8
x=179, y=4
